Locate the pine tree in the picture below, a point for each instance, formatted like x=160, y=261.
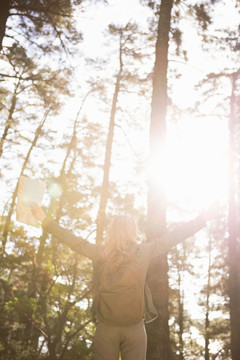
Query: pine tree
x=127, y=55
x=39, y=20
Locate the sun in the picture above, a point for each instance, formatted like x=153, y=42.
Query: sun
x=195, y=169
x=197, y=162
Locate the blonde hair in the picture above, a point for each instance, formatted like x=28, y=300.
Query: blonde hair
x=121, y=235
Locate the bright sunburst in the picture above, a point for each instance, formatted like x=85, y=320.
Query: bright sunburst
x=196, y=163
x=195, y=169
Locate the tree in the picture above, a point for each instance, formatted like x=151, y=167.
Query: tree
x=229, y=107
x=233, y=225
x=126, y=56
x=41, y=304
x=27, y=79
x=38, y=19
x=14, y=196
x=47, y=304
x=168, y=19
x=41, y=86
x=158, y=331
x=178, y=313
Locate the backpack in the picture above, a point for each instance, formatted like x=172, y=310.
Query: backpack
x=119, y=291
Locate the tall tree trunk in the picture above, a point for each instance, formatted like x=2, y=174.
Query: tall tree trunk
x=101, y=216
x=4, y=14
x=180, y=265
x=233, y=238
x=208, y=291
x=10, y=212
x=158, y=331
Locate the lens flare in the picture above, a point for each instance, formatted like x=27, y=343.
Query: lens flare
x=55, y=190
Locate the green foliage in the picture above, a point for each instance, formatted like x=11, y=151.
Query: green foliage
x=40, y=21
x=43, y=302
x=202, y=15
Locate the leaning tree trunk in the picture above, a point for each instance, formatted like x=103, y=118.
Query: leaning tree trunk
x=207, y=307
x=233, y=230
x=14, y=197
x=158, y=331
x=101, y=216
x=71, y=147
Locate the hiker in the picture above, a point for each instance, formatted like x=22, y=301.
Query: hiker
x=122, y=265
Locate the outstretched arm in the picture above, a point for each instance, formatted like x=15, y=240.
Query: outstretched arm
x=184, y=231
x=188, y=229
x=76, y=243
x=210, y=212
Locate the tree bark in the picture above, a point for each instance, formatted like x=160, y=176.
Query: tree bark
x=233, y=238
x=207, y=311
x=4, y=13
x=180, y=310
x=158, y=331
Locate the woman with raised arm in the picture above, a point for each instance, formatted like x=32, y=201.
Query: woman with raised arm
x=122, y=265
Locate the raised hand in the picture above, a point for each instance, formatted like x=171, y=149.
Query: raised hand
x=211, y=211
x=37, y=212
